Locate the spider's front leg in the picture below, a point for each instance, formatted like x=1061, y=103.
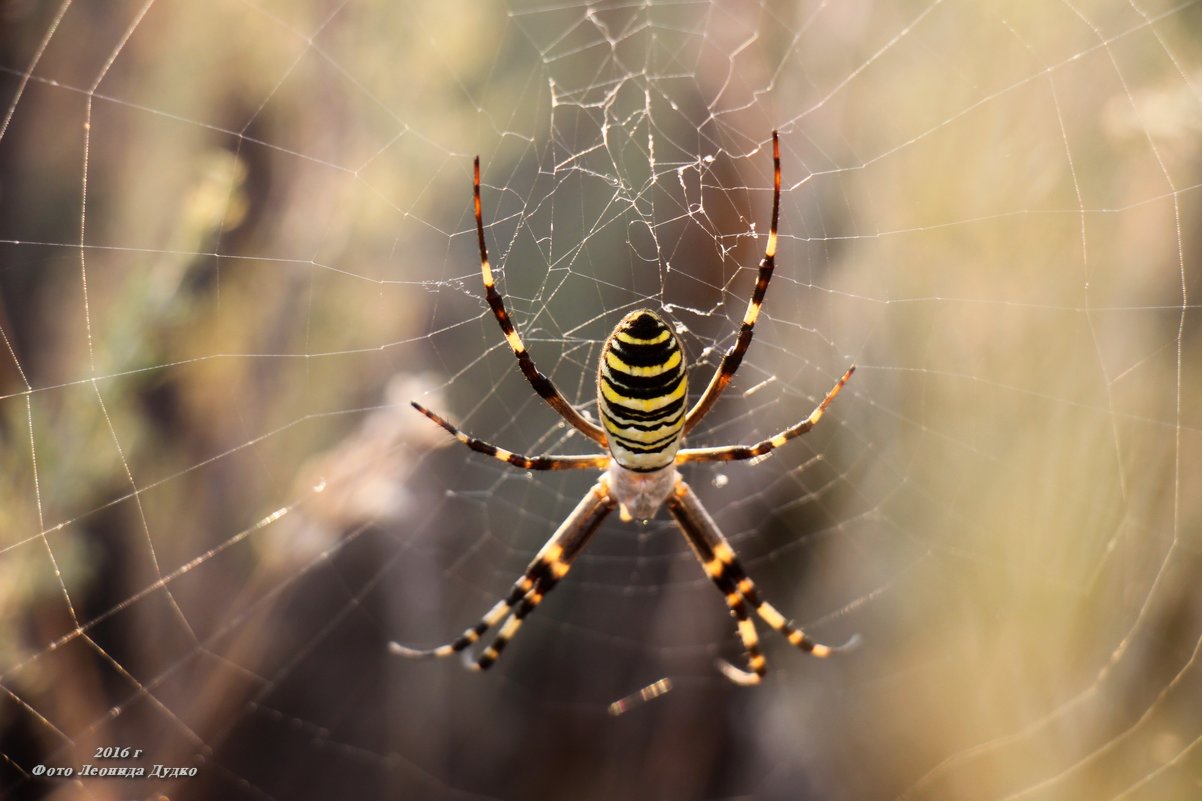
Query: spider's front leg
x=550, y=565
x=539, y=382
x=551, y=462
x=730, y=453
x=734, y=356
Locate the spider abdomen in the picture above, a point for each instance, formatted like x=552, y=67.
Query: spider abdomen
x=641, y=389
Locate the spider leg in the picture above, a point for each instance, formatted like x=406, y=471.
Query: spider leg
x=553, y=462
x=715, y=569
x=541, y=384
x=733, y=452
x=734, y=357
x=550, y=565
x=723, y=567
x=744, y=623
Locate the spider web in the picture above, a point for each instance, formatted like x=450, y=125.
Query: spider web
x=236, y=240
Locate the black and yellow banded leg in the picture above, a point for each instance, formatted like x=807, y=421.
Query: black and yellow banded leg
x=734, y=452
x=549, y=565
x=721, y=564
x=745, y=627
x=541, y=384
x=772, y=616
x=472, y=635
x=750, y=639
x=553, y=462
x=718, y=573
x=556, y=560
x=734, y=356
x=744, y=624
x=492, y=652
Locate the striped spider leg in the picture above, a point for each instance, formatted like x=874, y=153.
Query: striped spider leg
x=729, y=453
x=720, y=563
x=641, y=398
x=541, y=384
x=734, y=356
x=548, y=567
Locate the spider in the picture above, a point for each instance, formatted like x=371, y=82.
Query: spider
x=641, y=386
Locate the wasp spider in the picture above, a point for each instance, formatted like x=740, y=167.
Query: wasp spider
x=641, y=386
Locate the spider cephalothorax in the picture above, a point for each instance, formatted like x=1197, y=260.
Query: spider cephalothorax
x=642, y=400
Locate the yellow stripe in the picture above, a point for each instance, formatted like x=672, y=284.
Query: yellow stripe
x=496, y=613
x=643, y=404
x=753, y=311
x=748, y=633
x=772, y=617
x=614, y=363
x=644, y=438
x=508, y=630
x=622, y=336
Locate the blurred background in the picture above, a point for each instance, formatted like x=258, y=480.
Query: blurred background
x=236, y=240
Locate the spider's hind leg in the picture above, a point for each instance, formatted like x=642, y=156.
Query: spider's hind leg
x=550, y=565
x=722, y=566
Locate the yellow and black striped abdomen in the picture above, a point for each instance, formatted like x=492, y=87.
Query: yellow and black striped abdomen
x=641, y=392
